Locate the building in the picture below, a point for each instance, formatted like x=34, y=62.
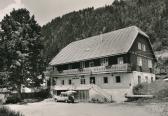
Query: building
x=110, y=64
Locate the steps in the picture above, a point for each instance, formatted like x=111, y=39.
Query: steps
x=103, y=95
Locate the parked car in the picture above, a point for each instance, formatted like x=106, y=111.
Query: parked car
x=67, y=96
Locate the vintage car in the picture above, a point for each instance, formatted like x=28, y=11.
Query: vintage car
x=67, y=96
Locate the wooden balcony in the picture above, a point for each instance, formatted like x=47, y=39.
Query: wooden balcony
x=96, y=70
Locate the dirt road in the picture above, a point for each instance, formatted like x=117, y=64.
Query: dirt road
x=83, y=109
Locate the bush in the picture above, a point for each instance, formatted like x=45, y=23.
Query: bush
x=12, y=99
x=43, y=94
x=141, y=89
x=162, y=94
x=158, y=88
x=4, y=111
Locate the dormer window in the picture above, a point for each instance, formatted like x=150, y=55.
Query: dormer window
x=139, y=46
x=120, y=60
x=91, y=64
x=104, y=62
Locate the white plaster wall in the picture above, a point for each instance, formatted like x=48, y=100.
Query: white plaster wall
x=117, y=90
x=74, y=80
x=125, y=80
x=143, y=79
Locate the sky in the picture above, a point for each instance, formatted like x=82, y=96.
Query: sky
x=46, y=10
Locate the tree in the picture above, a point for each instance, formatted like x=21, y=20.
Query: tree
x=22, y=45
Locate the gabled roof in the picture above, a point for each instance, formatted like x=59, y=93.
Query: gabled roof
x=108, y=44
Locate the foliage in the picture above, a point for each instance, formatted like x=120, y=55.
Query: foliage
x=21, y=46
x=149, y=15
x=158, y=88
x=4, y=111
x=43, y=94
x=140, y=89
x=12, y=99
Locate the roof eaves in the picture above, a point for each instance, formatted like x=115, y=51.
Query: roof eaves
x=87, y=59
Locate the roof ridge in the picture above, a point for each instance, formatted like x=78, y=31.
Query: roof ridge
x=133, y=26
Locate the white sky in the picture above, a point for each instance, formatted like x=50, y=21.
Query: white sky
x=46, y=10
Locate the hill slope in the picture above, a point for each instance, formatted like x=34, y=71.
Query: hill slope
x=149, y=15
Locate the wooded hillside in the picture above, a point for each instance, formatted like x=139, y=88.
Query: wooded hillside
x=149, y=15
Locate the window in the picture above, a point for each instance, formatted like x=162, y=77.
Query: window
x=91, y=64
x=139, y=46
x=55, y=81
x=69, y=82
x=104, y=62
x=152, y=79
x=143, y=47
x=120, y=60
x=149, y=63
x=105, y=79
x=70, y=66
x=146, y=79
x=82, y=80
x=92, y=80
x=82, y=64
x=139, y=61
x=62, y=82
x=139, y=79
x=118, y=79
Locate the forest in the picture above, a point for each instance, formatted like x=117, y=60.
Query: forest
x=149, y=15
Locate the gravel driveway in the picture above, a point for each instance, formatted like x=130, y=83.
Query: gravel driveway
x=83, y=109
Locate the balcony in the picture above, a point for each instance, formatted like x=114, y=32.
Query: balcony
x=96, y=70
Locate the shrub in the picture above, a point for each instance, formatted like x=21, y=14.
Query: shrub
x=162, y=94
x=158, y=88
x=141, y=89
x=4, y=111
x=43, y=94
x=12, y=99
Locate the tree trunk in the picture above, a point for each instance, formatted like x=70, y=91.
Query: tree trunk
x=19, y=92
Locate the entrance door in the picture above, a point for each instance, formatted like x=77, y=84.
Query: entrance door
x=92, y=80
x=83, y=95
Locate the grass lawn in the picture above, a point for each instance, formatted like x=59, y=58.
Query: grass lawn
x=51, y=108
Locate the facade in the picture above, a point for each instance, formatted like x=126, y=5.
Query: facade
x=108, y=65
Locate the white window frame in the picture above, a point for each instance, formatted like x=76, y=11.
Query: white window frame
x=120, y=60
x=139, y=61
x=146, y=79
x=91, y=64
x=139, y=79
x=69, y=82
x=70, y=66
x=82, y=80
x=144, y=47
x=149, y=63
x=104, y=80
x=139, y=46
x=104, y=62
x=118, y=77
x=62, y=82
x=82, y=64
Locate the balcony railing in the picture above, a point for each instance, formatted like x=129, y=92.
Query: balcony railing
x=96, y=70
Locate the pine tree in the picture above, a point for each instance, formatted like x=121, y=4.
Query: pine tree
x=22, y=45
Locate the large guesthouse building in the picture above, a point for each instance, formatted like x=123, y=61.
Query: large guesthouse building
x=108, y=65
